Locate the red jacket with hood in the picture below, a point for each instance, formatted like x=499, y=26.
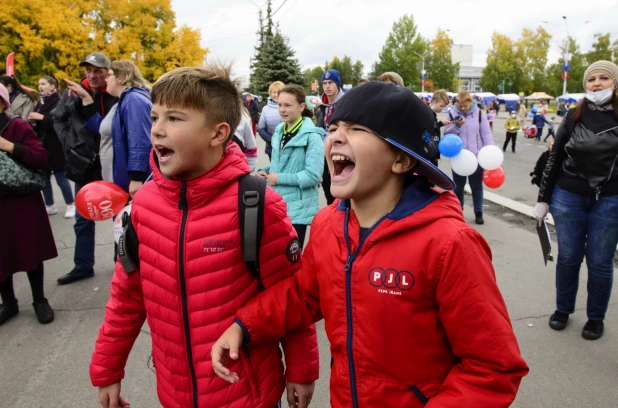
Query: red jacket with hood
x=412, y=310
x=192, y=281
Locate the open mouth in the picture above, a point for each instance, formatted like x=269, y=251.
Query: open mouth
x=163, y=153
x=342, y=167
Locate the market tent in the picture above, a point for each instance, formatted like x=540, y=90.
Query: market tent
x=451, y=94
x=539, y=96
x=574, y=97
x=508, y=97
x=423, y=95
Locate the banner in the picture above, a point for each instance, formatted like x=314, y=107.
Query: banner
x=10, y=64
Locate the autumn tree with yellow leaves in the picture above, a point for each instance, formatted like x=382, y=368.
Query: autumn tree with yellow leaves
x=52, y=37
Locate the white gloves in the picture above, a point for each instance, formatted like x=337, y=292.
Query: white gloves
x=540, y=210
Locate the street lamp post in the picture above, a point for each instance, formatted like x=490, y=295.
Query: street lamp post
x=423, y=72
x=503, y=83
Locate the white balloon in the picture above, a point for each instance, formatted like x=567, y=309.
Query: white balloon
x=117, y=228
x=490, y=157
x=464, y=163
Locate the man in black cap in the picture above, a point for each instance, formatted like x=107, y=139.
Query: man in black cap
x=81, y=147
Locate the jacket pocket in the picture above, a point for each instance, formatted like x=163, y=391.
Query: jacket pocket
x=246, y=364
x=419, y=394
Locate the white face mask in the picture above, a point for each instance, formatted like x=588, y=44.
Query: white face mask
x=600, y=97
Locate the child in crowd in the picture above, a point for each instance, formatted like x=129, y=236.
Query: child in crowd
x=406, y=288
x=439, y=101
x=245, y=139
x=297, y=159
x=193, y=278
x=539, y=168
x=551, y=124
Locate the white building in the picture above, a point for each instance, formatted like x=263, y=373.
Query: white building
x=469, y=75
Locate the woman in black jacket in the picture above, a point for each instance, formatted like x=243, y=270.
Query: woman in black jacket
x=43, y=124
x=580, y=188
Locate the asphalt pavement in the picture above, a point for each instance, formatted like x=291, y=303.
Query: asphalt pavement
x=47, y=366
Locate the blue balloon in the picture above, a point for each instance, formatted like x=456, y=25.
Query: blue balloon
x=531, y=115
x=535, y=109
x=489, y=116
x=450, y=145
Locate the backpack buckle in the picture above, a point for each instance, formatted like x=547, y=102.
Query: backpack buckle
x=251, y=198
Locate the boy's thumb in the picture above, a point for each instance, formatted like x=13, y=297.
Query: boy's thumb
x=234, y=346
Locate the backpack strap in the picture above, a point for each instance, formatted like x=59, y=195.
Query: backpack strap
x=251, y=197
x=6, y=126
x=480, y=113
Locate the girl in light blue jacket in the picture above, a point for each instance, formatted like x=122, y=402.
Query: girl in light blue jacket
x=297, y=159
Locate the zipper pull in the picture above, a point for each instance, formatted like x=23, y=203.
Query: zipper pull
x=182, y=201
x=597, y=192
x=348, y=264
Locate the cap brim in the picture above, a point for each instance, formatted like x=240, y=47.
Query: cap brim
x=84, y=63
x=427, y=169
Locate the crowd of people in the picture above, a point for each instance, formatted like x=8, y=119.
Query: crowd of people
x=374, y=150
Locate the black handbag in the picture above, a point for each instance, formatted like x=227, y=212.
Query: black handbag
x=16, y=178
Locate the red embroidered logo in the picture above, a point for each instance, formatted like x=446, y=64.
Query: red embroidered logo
x=217, y=245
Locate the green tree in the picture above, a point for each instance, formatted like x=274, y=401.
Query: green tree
x=398, y=52
x=350, y=73
x=531, y=51
x=576, y=73
x=311, y=75
x=275, y=62
x=441, y=69
x=601, y=49
x=51, y=38
x=503, y=63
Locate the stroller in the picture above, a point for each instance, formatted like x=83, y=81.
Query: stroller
x=530, y=131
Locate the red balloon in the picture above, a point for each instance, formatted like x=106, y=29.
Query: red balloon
x=493, y=178
x=100, y=200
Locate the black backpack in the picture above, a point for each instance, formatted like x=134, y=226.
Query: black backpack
x=240, y=143
x=251, y=197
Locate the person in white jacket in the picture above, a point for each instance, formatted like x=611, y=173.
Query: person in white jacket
x=245, y=139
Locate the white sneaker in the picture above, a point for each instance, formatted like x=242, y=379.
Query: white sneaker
x=70, y=213
x=51, y=209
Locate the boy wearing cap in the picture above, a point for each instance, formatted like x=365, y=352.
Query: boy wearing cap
x=406, y=288
x=331, y=83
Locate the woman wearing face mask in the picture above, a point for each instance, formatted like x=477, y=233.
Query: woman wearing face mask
x=580, y=189
x=270, y=118
x=125, y=130
x=22, y=101
x=43, y=124
x=297, y=159
x=472, y=126
x=512, y=126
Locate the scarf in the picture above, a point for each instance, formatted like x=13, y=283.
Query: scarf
x=47, y=95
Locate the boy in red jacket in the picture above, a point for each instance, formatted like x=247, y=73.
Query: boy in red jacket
x=406, y=288
x=192, y=277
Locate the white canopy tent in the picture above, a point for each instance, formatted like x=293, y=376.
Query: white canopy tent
x=508, y=97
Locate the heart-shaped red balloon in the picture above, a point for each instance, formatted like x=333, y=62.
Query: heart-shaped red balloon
x=100, y=200
x=493, y=178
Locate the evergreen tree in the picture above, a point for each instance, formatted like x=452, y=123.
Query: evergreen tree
x=274, y=59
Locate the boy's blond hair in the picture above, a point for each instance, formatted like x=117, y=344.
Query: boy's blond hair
x=392, y=77
x=464, y=96
x=277, y=86
x=208, y=90
x=440, y=96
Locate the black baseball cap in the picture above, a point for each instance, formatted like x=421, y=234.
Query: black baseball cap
x=96, y=59
x=399, y=117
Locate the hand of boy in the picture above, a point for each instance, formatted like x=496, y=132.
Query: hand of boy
x=299, y=395
x=109, y=397
x=224, y=349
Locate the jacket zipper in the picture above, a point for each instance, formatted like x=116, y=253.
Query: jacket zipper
x=184, y=207
x=348, y=297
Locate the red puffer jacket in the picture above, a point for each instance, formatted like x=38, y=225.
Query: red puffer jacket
x=192, y=281
x=412, y=309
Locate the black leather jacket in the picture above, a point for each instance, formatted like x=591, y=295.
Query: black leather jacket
x=582, y=157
